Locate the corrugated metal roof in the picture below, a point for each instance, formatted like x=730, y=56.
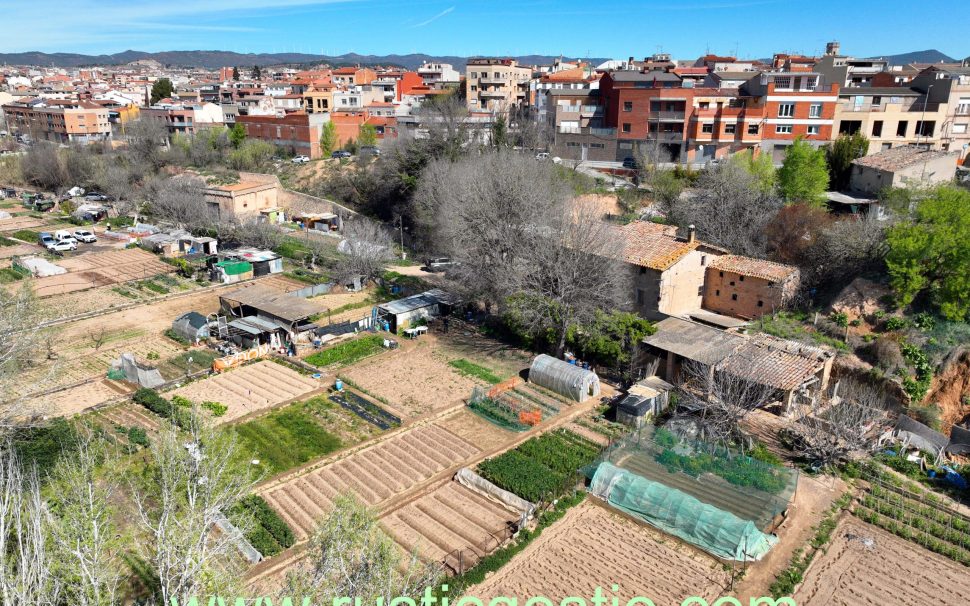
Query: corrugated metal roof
x=419, y=301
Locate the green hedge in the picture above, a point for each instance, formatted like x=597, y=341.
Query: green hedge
x=150, y=399
x=470, y=369
x=42, y=445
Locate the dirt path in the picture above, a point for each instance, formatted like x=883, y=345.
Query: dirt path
x=813, y=498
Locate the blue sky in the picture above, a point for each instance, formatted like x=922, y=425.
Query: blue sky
x=599, y=28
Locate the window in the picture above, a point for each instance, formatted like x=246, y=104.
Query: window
x=752, y=129
x=474, y=74
x=729, y=129
x=781, y=83
x=925, y=129
x=786, y=110
x=704, y=105
x=717, y=292
x=626, y=127
x=901, y=128
x=761, y=303
x=655, y=106
x=959, y=129
x=703, y=259
x=597, y=145
x=783, y=129
x=877, y=128
x=815, y=110
x=877, y=100
x=628, y=106
x=731, y=282
x=707, y=128
x=474, y=87
x=734, y=297
x=639, y=296
x=720, y=274
x=814, y=129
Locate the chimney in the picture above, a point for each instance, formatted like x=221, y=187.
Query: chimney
x=691, y=233
x=832, y=48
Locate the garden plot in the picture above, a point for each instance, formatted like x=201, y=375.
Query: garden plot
x=101, y=269
x=249, y=389
x=77, y=399
x=865, y=565
x=476, y=430
x=592, y=547
x=374, y=475
x=131, y=415
x=415, y=380
x=22, y=222
x=452, y=525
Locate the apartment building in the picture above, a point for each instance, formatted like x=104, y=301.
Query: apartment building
x=183, y=118
x=848, y=71
x=496, y=85
x=575, y=119
x=318, y=99
x=647, y=106
x=59, y=120
x=439, y=75
x=891, y=116
x=949, y=88
x=297, y=133
x=350, y=76
x=796, y=105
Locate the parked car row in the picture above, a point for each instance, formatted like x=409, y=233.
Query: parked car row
x=64, y=241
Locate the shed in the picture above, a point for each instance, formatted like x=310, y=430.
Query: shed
x=191, y=326
x=229, y=271
x=264, y=262
x=405, y=312
x=646, y=398
x=913, y=433
x=564, y=378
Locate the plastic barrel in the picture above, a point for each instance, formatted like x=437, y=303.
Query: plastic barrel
x=338, y=385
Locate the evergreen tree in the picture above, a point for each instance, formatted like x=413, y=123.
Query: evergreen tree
x=804, y=175
x=237, y=134
x=840, y=155
x=257, y=73
x=328, y=139
x=235, y=74
x=161, y=89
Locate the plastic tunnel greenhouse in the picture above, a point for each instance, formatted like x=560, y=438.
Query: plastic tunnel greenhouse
x=565, y=379
x=716, y=531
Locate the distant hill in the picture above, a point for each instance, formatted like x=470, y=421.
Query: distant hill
x=214, y=59
x=924, y=56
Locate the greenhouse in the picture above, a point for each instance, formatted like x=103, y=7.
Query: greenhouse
x=565, y=379
x=718, y=532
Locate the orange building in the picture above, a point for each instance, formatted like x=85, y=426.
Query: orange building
x=59, y=120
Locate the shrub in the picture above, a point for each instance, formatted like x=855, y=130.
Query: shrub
x=928, y=415
x=171, y=334
x=894, y=323
x=182, y=402
x=839, y=318
x=137, y=435
x=216, y=408
x=150, y=399
x=42, y=445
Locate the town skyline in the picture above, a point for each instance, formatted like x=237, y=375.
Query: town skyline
x=446, y=27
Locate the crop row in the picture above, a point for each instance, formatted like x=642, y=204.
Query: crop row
x=904, y=530
x=266, y=531
x=930, y=512
x=918, y=522
x=348, y=352
x=541, y=468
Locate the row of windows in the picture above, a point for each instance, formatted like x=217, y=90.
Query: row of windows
x=787, y=110
x=786, y=129
x=734, y=297
x=729, y=129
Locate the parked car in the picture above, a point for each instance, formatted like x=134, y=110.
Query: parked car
x=370, y=150
x=45, y=239
x=436, y=264
x=84, y=235
x=63, y=245
x=62, y=235
x=542, y=156
x=630, y=162
x=8, y=192
x=341, y=153
x=95, y=196
x=300, y=160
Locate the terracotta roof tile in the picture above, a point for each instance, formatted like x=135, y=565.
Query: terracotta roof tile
x=756, y=268
x=652, y=245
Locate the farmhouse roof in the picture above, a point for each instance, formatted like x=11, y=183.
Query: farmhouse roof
x=756, y=268
x=694, y=341
x=653, y=245
x=899, y=158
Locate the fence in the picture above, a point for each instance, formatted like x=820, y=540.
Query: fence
x=461, y=560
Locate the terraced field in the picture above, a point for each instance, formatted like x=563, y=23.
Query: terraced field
x=452, y=525
x=249, y=389
x=373, y=475
x=131, y=415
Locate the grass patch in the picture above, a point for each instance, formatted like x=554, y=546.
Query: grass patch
x=7, y=242
x=797, y=327
x=9, y=275
x=348, y=352
x=470, y=369
x=268, y=533
x=25, y=235
x=286, y=438
x=201, y=359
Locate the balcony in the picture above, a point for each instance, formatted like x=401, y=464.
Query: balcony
x=666, y=136
x=587, y=130
x=493, y=93
x=493, y=81
x=591, y=110
x=674, y=116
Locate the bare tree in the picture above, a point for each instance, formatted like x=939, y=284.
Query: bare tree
x=146, y=141
x=181, y=202
x=722, y=395
x=20, y=340
x=194, y=481
x=848, y=248
x=26, y=561
x=729, y=209
x=572, y=274
x=85, y=536
x=350, y=555
x=840, y=427
x=42, y=166
x=365, y=251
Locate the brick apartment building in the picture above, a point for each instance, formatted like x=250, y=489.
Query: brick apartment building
x=298, y=132
x=59, y=120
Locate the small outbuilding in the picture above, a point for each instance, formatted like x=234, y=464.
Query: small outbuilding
x=645, y=399
x=565, y=379
x=406, y=312
x=191, y=326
